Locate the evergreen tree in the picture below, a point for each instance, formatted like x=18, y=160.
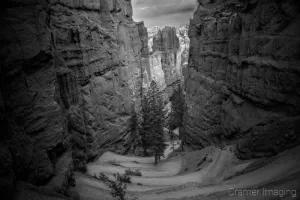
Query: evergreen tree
x=146, y=126
x=153, y=120
x=135, y=139
x=182, y=133
x=157, y=120
x=176, y=116
x=171, y=135
x=177, y=109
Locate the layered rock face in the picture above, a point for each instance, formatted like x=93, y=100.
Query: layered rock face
x=242, y=82
x=151, y=33
x=70, y=73
x=165, y=62
x=168, y=49
x=184, y=44
x=165, y=39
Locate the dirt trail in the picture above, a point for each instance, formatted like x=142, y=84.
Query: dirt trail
x=286, y=165
x=168, y=180
x=110, y=163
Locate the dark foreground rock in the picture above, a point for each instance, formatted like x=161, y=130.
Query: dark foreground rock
x=70, y=76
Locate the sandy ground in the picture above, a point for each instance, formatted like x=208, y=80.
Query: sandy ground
x=197, y=174
x=285, y=165
x=110, y=163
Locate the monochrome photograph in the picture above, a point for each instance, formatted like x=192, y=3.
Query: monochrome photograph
x=149, y=99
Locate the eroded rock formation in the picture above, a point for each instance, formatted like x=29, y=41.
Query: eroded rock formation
x=165, y=62
x=242, y=82
x=168, y=49
x=184, y=44
x=70, y=73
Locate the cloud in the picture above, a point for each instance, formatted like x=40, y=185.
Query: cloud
x=168, y=9
x=148, y=10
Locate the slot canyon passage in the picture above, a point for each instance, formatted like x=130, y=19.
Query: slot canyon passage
x=79, y=77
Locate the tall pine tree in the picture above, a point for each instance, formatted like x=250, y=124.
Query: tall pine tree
x=158, y=139
x=135, y=138
x=176, y=116
x=146, y=125
x=153, y=120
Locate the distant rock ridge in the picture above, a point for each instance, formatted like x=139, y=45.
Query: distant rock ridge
x=181, y=32
x=165, y=39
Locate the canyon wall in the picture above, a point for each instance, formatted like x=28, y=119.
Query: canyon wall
x=242, y=82
x=168, y=53
x=165, y=62
x=70, y=77
x=184, y=41
x=184, y=44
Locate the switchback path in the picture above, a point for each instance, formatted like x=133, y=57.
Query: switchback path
x=196, y=175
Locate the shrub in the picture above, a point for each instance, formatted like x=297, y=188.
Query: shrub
x=117, y=187
x=123, y=178
x=129, y=172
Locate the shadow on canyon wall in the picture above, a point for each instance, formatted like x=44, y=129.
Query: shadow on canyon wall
x=72, y=72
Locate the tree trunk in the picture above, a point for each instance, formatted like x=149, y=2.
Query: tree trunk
x=133, y=148
x=155, y=163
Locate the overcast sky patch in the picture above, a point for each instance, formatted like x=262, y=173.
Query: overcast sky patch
x=163, y=12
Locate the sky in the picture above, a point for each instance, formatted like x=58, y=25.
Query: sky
x=163, y=12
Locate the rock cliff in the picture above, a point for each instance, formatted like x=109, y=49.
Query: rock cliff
x=168, y=53
x=242, y=82
x=181, y=33
x=70, y=75
x=151, y=33
x=165, y=62
x=184, y=44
